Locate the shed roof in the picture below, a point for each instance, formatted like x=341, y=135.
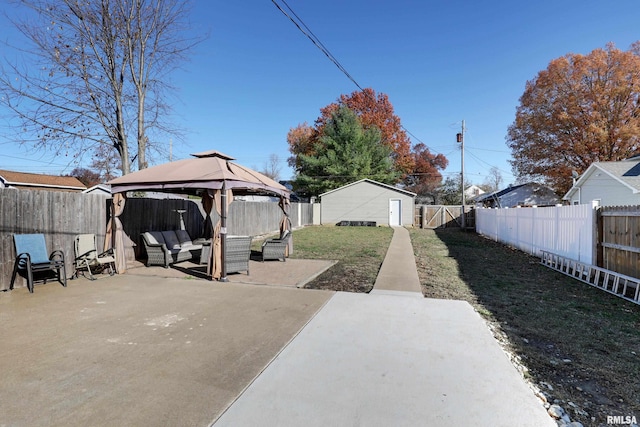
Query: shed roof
x=370, y=181
x=25, y=180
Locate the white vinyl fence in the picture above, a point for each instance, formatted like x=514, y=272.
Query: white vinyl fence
x=568, y=231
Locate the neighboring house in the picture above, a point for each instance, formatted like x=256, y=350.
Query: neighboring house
x=472, y=192
x=35, y=181
x=530, y=194
x=368, y=200
x=293, y=196
x=102, y=189
x=105, y=190
x=256, y=198
x=608, y=184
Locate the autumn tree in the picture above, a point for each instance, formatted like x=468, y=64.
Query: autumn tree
x=94, y=73
x=346, y=152
x=300, y=140
x=86, y=176
x=581, y=109
x=373, y=110
x=426, y=176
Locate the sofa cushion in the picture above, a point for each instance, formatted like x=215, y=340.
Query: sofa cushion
x=154, y=237
x=183, y=238
x=171, y=240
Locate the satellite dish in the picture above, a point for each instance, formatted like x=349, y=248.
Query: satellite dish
x=574, y=174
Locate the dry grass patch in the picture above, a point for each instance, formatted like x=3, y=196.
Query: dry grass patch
x=581, y=345
x=358, y=250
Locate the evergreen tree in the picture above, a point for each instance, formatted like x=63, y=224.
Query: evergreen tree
x=345, y=153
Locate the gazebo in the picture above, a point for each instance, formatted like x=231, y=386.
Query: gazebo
x=210, y=175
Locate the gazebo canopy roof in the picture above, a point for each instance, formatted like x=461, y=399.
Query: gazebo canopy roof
x=207, y=170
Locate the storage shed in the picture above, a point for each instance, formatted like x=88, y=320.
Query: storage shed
x=369, y=201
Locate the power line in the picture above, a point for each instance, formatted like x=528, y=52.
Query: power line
x=299, y=23
x=314, y=39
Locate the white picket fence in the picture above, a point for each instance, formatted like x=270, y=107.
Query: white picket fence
x=568, y=231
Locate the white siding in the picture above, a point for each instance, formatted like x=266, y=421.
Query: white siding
x=608, y=190
x=566, y=230
x=364, y=201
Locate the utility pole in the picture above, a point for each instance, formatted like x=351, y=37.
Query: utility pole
x=460, y=139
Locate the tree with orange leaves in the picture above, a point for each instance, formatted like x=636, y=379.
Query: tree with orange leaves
x=426, y=176
x=581, y=109
x=301, y=140
x=417, y=167
x=373, y=110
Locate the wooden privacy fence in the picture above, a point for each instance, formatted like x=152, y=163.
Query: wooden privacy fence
x=442, y=216
x=62, y=215
x=57, y=215
x=619, y=243
x=244, y=218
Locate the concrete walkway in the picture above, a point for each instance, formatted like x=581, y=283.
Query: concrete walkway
x=398, y=272
x=390, y=358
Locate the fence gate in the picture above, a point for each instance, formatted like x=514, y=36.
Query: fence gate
x=438, y=216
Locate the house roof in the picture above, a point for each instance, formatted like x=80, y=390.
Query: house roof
x=24, y=180
x=626, y=172
x=99, y=189
x=498, y=193
x=370, y=181
x=473, y=191
x=529, y=194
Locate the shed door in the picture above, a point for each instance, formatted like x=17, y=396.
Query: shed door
x=395, y=212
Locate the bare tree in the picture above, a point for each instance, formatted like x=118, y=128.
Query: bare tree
x=272, y=167
x=96, y=73
x=105, y=163
x=494, y=179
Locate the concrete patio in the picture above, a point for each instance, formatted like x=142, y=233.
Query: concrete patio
x=291, y=273
x=161, y=347
x=140, y=350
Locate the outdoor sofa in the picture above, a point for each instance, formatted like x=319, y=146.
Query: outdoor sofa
x=169, y=247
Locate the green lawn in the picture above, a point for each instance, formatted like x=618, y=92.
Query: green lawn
x=358, y=250
x=580, y=340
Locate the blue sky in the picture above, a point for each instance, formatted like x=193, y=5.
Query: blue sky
x=256, y=75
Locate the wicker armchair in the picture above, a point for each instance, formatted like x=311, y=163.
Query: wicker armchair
x=238, y=253
x=276, y=248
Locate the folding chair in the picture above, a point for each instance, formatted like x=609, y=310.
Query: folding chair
x=87, y=255
x=31, y=251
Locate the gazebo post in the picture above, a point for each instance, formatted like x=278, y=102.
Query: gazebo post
x=223, y=233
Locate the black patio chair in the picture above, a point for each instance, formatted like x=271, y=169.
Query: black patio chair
x=32, y=258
